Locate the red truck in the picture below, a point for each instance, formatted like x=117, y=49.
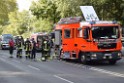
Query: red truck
x=88, y=41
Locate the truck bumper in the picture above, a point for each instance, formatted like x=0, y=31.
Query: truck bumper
x=99, y=56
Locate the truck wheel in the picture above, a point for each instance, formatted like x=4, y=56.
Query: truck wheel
x=112, y=62
x=82, y=58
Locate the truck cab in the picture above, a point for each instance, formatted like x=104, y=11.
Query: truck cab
x=102, y=42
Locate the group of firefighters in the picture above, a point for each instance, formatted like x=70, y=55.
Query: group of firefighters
x=30, y=48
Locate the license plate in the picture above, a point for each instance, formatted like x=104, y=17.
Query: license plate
x=7, y=46
x=108, y=54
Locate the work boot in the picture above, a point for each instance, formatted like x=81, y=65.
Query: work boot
x=20, y=57
x=26, y=57
x=11, y=57
x=43, y=59
x=17, y=56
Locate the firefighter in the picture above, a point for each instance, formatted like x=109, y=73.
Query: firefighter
x=33, y=51
x=27, y=47
x=19, y=48
x=45, y=49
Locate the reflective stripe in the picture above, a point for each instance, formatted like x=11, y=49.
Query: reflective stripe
x=45, y=47
x=28, y=46
x=21, y=46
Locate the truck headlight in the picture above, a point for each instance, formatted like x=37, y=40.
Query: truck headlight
x=94, y=55
x=119, y=54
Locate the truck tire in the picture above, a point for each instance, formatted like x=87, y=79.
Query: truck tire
x=82, y=58
x=112, y=62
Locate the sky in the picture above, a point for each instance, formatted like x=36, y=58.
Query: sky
x=24, y=4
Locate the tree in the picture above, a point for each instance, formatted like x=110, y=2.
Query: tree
x=109, y=9
x=42, y=25
x=68, y=8
x=6, y=6
x=19, y=22
x=105, y=9
x=1, y=28
x=45, y=9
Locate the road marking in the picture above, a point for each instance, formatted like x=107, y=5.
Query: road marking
x=63, y=79
x=34, y=67
x=98, y=69
x=107, y=72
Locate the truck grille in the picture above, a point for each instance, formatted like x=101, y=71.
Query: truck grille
x=107, y=46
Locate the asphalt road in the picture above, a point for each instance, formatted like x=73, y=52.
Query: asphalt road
x=54, y=71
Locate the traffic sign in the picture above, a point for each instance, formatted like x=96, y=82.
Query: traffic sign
x=89, y=13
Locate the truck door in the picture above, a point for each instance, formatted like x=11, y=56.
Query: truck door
x=67, y=39
x=83, y=40
x=86, y=37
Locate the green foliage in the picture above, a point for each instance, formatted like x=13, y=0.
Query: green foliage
x=22, y=23
x=47, y=12
x=45, y=9
x=19, y=22
x=42, y=26
x=6, y=6
x=68, y=8
x=26, y=35
x=106, y=9
x=109, y=9
x=9, y=29
x=1, y=28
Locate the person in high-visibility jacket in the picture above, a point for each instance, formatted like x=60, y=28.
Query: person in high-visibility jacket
x=27, y=48
x=45, y=49
x=19, y=48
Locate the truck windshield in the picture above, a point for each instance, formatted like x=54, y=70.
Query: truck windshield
x=111, y=32
x=40, y=38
